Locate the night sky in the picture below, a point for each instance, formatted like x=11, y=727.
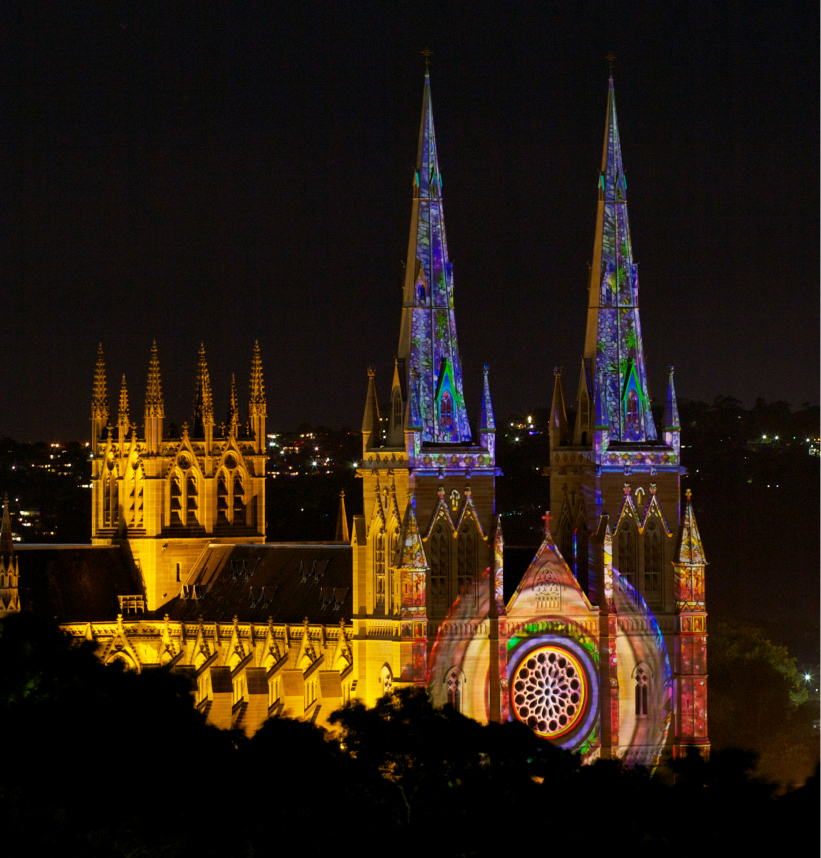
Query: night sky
x=221, y=172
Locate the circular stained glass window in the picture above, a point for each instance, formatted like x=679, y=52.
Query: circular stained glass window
x=549, y=691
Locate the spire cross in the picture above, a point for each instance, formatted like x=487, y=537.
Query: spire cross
x=546, y=518
x=610, y=59
x=427, y=54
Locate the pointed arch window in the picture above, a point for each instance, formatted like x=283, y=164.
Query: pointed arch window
x=466, y=560
x=627, y=552
x=191, y=500
x=222, y=499
x=440, y=541
x=455, y=688
x=397, y=409
x=386, y=679
x=584, y=418
x=446, y=413
x=632, y=430
x=176, y=500
x=642, y=690
x=239, y=500
x=652, y=562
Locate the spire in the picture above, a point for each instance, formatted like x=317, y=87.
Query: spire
x=256, y=404
x=427, y=339
x=671, y=418
x=99, y=400
x=371, y=425
x=558, y=415
x=203, y=397
x=154, y=405
x=410, y=552
x=122, y=416
x=613, y=338
x=487, y=420
x=342, y=534
x=690, y=550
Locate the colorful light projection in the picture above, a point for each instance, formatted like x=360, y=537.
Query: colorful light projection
x=433, y=346
x=642, y=661
x=549, y=692
x=569, y=642
x=619, y=350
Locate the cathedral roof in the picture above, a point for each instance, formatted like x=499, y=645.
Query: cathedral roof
x=284, y=581
x=76, y=583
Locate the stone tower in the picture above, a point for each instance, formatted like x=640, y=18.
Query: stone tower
x=427, y=535
x=169, y=494
x=615, y=485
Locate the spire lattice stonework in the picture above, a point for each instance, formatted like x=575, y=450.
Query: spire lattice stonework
x=613, y=340
x=203, y=396
x=154, y=405
x=256, y=403
x=99, y=400
x=427, y=340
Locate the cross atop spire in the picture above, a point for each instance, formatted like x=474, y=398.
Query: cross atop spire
x=427, y=340
x=613, y=343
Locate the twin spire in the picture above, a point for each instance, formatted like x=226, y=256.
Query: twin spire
x=427, y=339
x=613, y=349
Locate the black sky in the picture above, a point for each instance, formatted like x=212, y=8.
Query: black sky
x=220, y=172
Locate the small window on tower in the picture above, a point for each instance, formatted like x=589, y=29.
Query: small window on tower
x=631, y=416
x=446, y=413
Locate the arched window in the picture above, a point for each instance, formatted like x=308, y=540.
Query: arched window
x=627, y=552
x=239, y=500
x=222, y=499
x=191, y=500
x=584, y=418
x=439, y=589
x=466, y=560
x=455, y=682
x=642, y=690
x=446, y=413
x=632, y=430
x=652, y=562
x=176, y=500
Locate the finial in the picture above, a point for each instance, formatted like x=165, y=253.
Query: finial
x=557, y=371
x=611, y=57
x=546, y=518
x=688, y=494
x=371, y=372
x=426, y=53
x=486, y=369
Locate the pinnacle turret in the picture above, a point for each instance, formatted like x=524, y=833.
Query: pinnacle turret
x=256, y=403
x=154, y=405
x=427, y=340
x=99, y=399
x=558, y=414
x=203, y=397
x=371, y=423
x=690, y=550
x=613, y=341
x=342, y=534
x=122, y=414
x=487, y=419
x=233, y=408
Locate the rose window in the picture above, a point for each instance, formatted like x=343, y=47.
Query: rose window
x=549, y=691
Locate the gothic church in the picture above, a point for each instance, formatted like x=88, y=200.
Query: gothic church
x=602, y=647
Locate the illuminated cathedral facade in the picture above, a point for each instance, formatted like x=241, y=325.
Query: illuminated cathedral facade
x=602, y=647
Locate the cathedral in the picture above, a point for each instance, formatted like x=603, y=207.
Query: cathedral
x=602, y=647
